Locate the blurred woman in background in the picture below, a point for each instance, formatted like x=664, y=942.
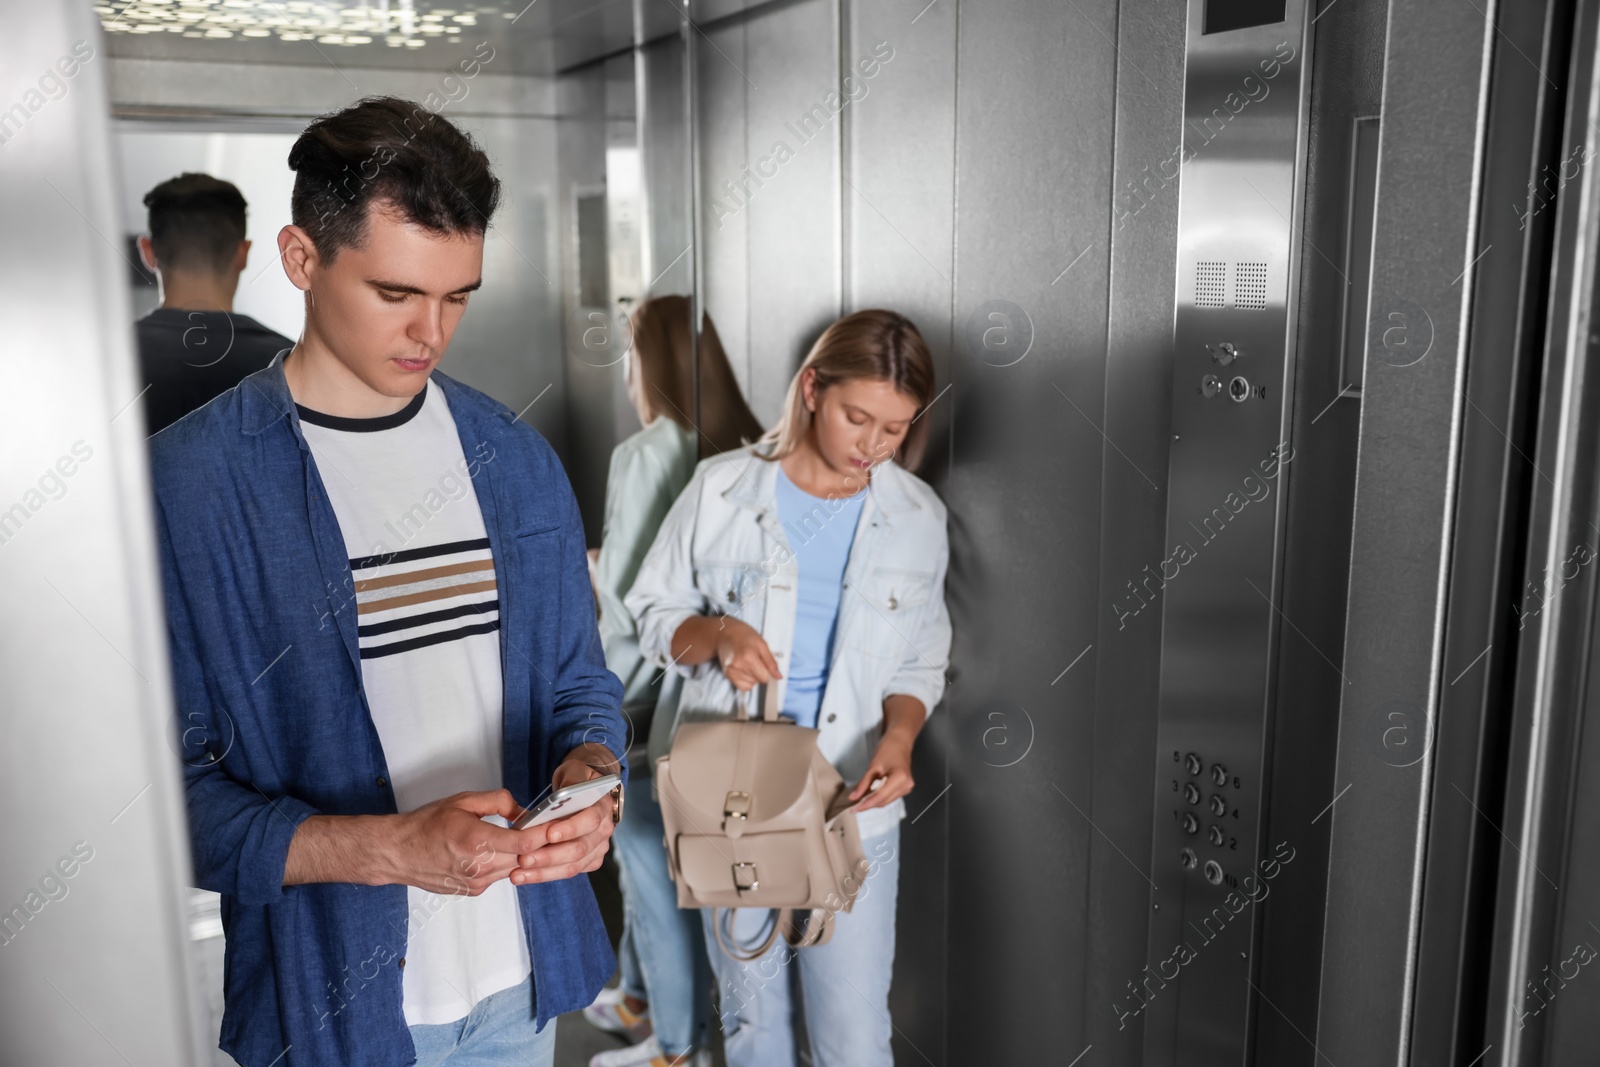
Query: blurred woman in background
x=662, y=1003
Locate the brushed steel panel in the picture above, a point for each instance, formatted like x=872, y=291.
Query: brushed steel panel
x=723, y=128
x=664, y=168
x=1237, y=263
x=899, y=227
x=793, y=219
x=97, y=971
x=1424, y=244
x=1143, y=238
x=1035, y=85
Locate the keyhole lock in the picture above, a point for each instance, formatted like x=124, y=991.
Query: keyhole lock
x=1210, y=386
x=1223, y=352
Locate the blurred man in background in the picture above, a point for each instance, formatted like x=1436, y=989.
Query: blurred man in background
x=194, y=347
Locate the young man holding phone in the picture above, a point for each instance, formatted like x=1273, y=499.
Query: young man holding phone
x=384, y=646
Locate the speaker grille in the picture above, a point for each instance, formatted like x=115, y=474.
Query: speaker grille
x=1250, y=285
x=1210, y=283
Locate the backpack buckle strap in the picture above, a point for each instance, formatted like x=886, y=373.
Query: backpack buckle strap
x=745, y=877
x=735, y=811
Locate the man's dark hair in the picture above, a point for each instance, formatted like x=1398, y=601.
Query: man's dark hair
x=196, y=222
x=389, y=150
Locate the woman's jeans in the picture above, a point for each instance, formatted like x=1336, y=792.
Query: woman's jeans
x=663, y=956
x=844, y=984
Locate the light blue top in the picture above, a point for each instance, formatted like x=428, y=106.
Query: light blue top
x=820, y=533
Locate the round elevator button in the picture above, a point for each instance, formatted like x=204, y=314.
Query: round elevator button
x=1214, y=835
x=1213, y=872
x=1219, y=774
x=1219, y=807
x=1191, y=763
x=1191, y=793
x=1191, y=825
x=1188, y=859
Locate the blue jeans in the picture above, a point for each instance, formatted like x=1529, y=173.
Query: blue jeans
x=844, y=984
x=498, y=1032
x=662, y=955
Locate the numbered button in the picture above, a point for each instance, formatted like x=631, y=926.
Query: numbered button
x=1192, y=763
x=1219, y=774
x=1219, y=807
x=1191, y=825
x=1213, y=872
x=1188, y=859
x=1191, y=792
x=1214, y=835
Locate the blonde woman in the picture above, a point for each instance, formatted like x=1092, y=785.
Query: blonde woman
x=815, y=561
x=663, y=1001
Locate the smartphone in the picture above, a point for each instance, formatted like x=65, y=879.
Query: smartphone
x=567, y=800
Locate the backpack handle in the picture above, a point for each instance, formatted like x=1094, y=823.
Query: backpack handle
x=764, y=695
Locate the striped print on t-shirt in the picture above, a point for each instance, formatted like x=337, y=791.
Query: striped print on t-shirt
x=425, y=596
x=428, y=625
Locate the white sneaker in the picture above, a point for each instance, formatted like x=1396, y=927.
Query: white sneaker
x=647, y=1053
x=611, y=1014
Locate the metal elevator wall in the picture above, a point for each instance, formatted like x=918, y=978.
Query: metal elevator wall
x=1003, y=180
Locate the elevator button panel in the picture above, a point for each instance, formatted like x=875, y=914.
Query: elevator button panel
x=1232, y=365
x=1222, y=834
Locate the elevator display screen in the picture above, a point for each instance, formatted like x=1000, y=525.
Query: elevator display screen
x=1224, y=15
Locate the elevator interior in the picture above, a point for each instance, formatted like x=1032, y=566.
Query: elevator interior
x=1266, y=424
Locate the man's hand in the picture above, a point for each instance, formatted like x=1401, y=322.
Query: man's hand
x=577, y=843
x=446, y=847
x=443, y=847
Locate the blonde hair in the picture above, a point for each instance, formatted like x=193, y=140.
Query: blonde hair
x=665, y=365
x=875, y=344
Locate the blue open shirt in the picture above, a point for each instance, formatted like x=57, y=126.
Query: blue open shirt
x=275, y=725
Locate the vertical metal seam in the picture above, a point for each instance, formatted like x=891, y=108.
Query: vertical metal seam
x=1447, y=539
x=950, y=441
x=1578, y=309
x=691, y=78
x=1085, y=981
x=842, y=156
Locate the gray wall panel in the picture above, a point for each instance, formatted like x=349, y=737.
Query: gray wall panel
x=1436, y=58
x=664, y=162
x=584, y=390
x=1142, y=231
x=794, y=217
x=1036, y=85
x=899, y=246
x=96, y=855
x=1347, y=81
x=724, y=154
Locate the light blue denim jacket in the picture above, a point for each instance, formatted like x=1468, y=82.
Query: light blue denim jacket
x=722, y=550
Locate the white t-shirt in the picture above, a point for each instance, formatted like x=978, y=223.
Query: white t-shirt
x=429, y=624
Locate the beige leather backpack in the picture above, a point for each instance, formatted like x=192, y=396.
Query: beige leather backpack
x=757, y=818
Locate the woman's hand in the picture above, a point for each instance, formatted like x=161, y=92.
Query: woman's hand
x=891, y=766
x=743, y=654
x=903, y=716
